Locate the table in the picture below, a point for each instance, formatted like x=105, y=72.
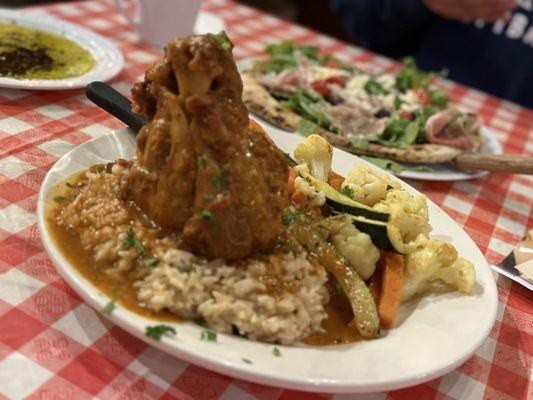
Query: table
x=53, y=346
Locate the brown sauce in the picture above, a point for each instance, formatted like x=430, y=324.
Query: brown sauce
x=336, y=329
x=121, y=291
x=336, y=325
x=68, y=242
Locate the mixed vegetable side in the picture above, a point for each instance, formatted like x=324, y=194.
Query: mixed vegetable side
x=370, y=234
x=390, y=109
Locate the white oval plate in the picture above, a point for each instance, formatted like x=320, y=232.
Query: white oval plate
x=108, y=58
x=434, y=335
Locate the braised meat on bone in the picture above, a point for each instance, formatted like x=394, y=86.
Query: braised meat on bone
x=200, y=169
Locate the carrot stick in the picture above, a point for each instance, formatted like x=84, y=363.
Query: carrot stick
x=391, y=265
x=290, y=182
x=335, y=180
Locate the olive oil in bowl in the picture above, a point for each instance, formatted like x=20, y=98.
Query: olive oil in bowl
x=27, y=53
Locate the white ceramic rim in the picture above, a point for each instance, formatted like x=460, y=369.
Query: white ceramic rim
x=204, y=355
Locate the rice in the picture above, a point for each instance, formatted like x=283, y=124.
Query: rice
x=276, y=298
x=230, y=298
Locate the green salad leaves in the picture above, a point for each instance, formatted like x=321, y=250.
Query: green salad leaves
x=411, y=77
x=308, y=104
x=284, y=56
x=394, y=166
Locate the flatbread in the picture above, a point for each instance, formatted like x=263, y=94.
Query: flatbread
x=261, y=103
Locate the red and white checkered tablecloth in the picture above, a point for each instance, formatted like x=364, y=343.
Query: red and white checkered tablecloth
x=53, y=346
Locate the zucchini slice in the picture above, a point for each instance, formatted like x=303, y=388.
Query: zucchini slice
x=377, y=230
x=384, y=235
x=340, y=202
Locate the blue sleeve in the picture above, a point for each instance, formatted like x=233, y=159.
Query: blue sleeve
x=390, y=27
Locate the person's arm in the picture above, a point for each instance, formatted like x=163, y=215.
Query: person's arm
x=390, y=27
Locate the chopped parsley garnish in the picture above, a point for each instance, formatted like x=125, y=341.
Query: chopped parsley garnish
x=289, y=217
x=389, y=187
x=109, y=307
x=246, y=361
x=200, y=161
x=222, y=179
x=131, y=241
x=208, y=335
x=150, y=262
x=347, y=191
x=208, y=197
x=276, y=352
x=338, y=340
x=221, y=38
x=204, y=214
x=216, y=181
x=157, y=331
x=317, y=245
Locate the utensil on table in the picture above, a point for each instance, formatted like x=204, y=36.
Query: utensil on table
x=494, y=162
x=507, y=267
x=158, y=21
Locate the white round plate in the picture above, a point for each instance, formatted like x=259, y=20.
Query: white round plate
x=108, y=58
x=434, y=335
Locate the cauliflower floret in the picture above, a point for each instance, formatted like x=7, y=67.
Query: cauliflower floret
x=317, y=153
x=354, y=245
x=409, y=219
x=435, y=267
x=368, y=185
x=316, y=197
x=461, y=275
